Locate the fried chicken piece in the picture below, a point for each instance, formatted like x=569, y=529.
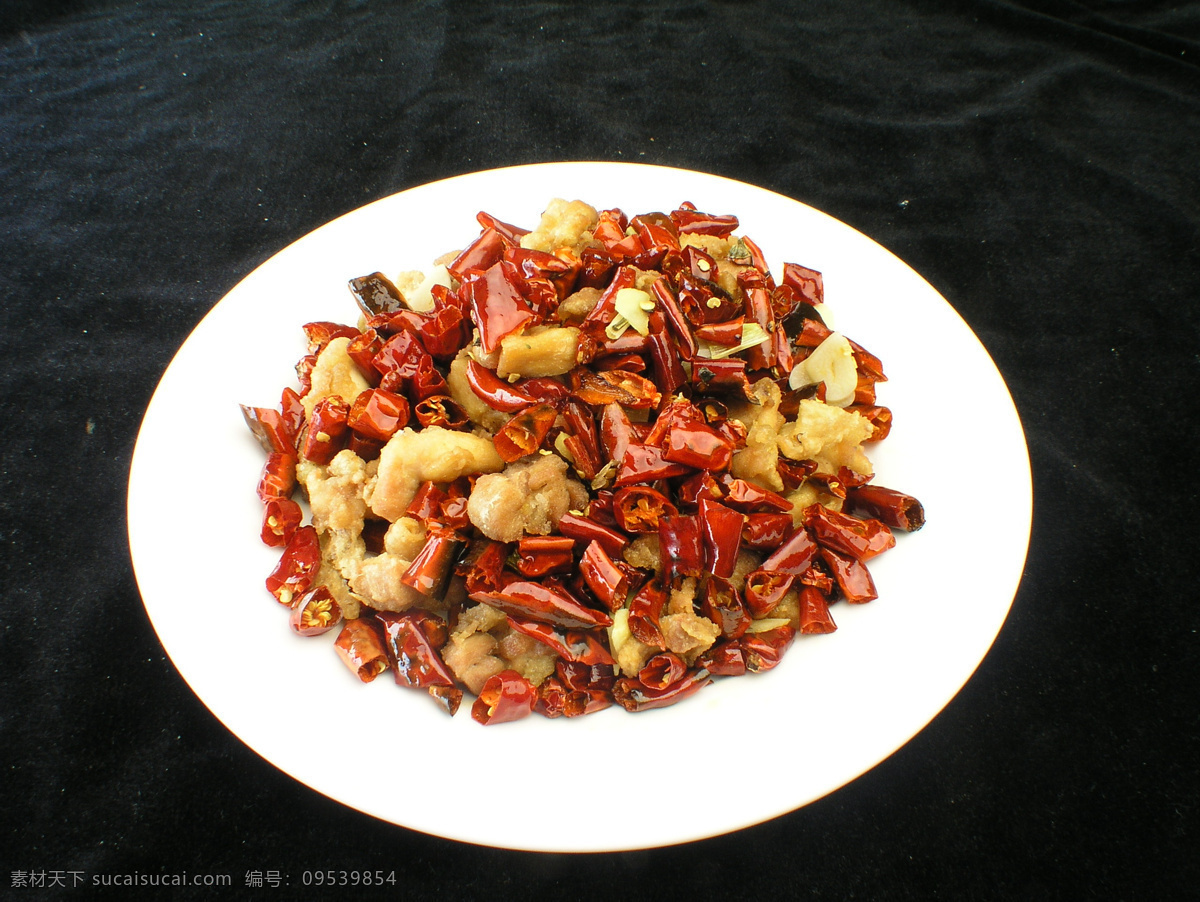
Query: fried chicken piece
x=529, y=497
x=432, y=455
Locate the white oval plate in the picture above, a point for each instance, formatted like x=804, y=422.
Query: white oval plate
x=837, y=705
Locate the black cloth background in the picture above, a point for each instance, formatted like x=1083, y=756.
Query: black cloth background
x=1035, y=161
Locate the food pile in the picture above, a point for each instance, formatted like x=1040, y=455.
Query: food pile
x=603, y=461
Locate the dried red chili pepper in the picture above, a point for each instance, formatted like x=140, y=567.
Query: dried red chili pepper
x=646, y=463
x=616, y=432
x=411, y=642
x=639, y=508
x=724, y=659
x=864, y=539
x=426, y=382
x=896, y=509
x=281, y=519
x=608, y=582
x=363, y=349
x=525, y=432
x=676, y=321
x=818, y=577
x=765, y=589
x=304, y=368
x=699, y=485
x=441, y=410
x=669, y=375
x=693, y=222
x=794, y=556
x=481, y=254
x=864, y=393
x=577, y=646
x=765, y=531
x=614, y=387
x=447, y=330
x=433, y=564
x=630, y=363
x=486, y=573
x=555, y=699
x=596, y=267
x=765, y=650
x=278, y=478
x=723, y=605
x=545, y=390
x=852, y=576
x=296, y=572
x=506, y=696
x=376, y=294
x=757, y=304
x=794, y=472
x=728, y=333
x=721, y=527
x=662, y=670
x=327, y=430
x=807, y=283
x=378, y=414
x=560, y=271
x=812, y=333
x=645, y=611
x=271, y=429
x=575, y=689
x=870, y=368
x=426, y=502
x=534, y=601
x=399, y=358
x=498, y=305
x=656, y=230
x=510, y=233
x=315, y=612
x=729, y=372
x=584, y=438
x=321, y=333
x=585, y=529
x=677, y=412
x=880, y=419
x=361, y=648
x=750, y=498
x=497, y=393
x=814, y=612
x=611, y=226
x=634, y=695
x=781, y=351
x=681, y=546
x=540, y=555
x=291, y=409
x=453, y=512
x=699, y=446
x=449, y=697
x=601, y=315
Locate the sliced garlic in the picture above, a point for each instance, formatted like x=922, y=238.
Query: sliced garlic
x=619, y=633
x=560, y=445
x=832, y=362
x=421, y=297
x=767, y=624
x=825, y=313
x=605, y=477
x=752, y=334
x=633, y=308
